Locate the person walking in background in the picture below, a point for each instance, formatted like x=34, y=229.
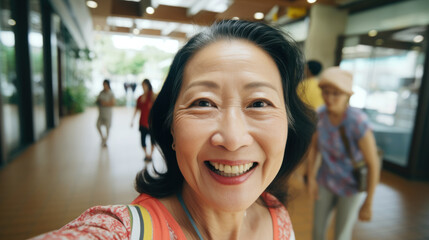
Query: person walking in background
x=343, y=137
x=105, y=102
x=144, y=104
x=308, y=89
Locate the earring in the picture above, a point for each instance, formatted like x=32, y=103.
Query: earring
x=173, y=146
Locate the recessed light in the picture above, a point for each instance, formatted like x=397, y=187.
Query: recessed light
x=418, y=38
x=150, y=10
x=136, y=31
x=311, y=1
x=91, y=4
x=258, y=15
x=372, y=33
x=11, y=22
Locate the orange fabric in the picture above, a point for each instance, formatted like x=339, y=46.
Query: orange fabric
x=160, y=217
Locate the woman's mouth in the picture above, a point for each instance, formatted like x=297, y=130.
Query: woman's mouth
x=226, y=170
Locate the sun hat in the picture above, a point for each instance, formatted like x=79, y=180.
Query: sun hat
x=336, y=77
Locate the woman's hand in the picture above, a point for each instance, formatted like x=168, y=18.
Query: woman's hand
x=313, y=188
x=365, y=212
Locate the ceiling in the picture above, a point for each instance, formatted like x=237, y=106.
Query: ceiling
x=182, y=18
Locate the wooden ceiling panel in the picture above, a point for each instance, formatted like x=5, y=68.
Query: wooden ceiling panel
x=245, y=10
x=178, y=14
x=120, y=7
x=104, y=9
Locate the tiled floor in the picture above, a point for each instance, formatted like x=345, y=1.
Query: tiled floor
x=67, y=171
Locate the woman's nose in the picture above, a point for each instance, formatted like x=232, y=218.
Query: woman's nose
x=233, y=130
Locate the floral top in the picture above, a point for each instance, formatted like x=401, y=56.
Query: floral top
x=335, y=172
x=116, y=222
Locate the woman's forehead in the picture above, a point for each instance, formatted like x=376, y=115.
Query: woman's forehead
x=233, y=56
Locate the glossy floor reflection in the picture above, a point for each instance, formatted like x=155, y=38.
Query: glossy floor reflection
x=68, y=171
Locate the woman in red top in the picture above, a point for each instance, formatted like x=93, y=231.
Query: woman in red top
x=144, y=104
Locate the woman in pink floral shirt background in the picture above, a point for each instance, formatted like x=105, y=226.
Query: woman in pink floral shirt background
x=335, y=187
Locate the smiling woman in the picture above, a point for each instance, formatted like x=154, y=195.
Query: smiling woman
x=231, y=129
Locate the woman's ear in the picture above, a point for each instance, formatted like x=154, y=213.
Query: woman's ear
x=173, y=145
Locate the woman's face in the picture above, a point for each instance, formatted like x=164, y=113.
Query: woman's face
x=230, y=124
x=336, y=101
x=145, y=87
x=106, y=86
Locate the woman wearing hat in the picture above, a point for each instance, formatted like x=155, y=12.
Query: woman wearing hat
x=331, y=182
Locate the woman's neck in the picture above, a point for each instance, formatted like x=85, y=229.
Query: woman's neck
x=252, y=223
x=337, y=117
x=211, y=222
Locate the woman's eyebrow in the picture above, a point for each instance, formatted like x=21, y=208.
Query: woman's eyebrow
x=204, y=83
x=258, y=85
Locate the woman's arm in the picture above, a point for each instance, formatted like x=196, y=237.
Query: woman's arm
x=101, y=222
x=313, y=167
x=136, y=109
x=368, y=148
x=110, y=103
x=134, y=115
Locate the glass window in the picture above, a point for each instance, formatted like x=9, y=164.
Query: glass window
x=36, y=61
x=8, y=80
x=388, y=70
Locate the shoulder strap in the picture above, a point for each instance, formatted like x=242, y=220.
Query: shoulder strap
x=141, y=223
x=346, y=143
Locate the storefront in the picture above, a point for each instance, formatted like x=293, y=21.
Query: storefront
x=388, y=55
x=39, y=45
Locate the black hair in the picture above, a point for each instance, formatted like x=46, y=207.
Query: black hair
x=146, y=81
x=107, y=81
x=314, y=66
x=290, y=63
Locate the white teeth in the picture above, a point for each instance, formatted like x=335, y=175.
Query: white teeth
x=230, y=170
x=221, y=167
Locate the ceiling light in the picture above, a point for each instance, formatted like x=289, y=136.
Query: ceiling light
x=150, y=10
x=372, y=33
x=11, y=22
x=418, y=38
x=311, y=1
x=136, y=31
x=258, y=15
x=91, y=4
x=235, y=18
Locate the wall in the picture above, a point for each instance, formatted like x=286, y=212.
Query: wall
x=326, y=24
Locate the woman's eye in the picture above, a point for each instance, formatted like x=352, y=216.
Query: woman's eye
x=202, y=103
x=259, y=104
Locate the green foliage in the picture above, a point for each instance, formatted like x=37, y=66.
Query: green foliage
x=75, y=99
x=121, y=64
